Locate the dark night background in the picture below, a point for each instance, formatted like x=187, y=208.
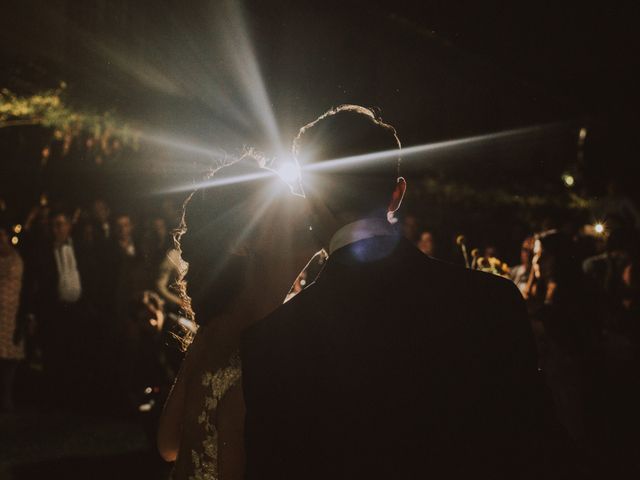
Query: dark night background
x=437, y=70
x=182, y=73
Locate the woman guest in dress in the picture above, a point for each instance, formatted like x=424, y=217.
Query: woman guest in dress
x=11, y=349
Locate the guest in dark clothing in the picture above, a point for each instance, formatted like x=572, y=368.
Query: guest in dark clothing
x=101, y=216
x=392, y=364
x=56, y=297
x=128, y=278
x=605, y=271
x=566, y=306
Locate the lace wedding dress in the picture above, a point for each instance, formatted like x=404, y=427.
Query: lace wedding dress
x=205, y=459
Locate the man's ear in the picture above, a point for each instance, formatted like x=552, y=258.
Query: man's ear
x=397, y=195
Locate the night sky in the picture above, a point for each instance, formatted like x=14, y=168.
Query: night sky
x=205, y=73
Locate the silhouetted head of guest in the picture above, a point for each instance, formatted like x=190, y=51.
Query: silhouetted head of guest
x=526, y=251
x=100, y=210
x=426, y=243
x=60, y=227
x=345, y=178
x=123, y=227
x=555, y=258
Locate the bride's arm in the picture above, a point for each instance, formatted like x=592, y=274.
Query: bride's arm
x=170, y=424
x=171, y=419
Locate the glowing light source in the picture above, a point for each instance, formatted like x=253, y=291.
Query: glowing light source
x=568, y=180
x=146, y=407
x=599, y=228
x=17, y=228
x=14, y=240
x=582, y=135
x=289, y=172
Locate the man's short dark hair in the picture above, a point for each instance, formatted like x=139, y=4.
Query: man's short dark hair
x=362, y=185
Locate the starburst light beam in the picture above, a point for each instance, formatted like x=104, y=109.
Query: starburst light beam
x=422, y=149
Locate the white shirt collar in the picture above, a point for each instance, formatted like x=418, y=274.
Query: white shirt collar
x=360, y=230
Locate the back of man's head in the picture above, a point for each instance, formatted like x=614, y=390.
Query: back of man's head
x=345, y=167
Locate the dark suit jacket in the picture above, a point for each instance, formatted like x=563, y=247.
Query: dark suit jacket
x=393, y=365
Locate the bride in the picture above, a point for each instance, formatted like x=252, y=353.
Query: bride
x=245, y=243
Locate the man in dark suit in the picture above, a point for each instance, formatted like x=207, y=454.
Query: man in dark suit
x=392, y=365
x=56, y=286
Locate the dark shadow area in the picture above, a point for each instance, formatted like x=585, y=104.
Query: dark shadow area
x=136, y=465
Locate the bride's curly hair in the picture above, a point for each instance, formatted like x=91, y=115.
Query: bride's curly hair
x=214, y=232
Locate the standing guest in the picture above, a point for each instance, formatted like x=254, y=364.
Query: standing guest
x=90, y=241
x=97, y=234
x=605, y=270
x=561, y=301
x=520, y=273
x=101, y=217
x=36, y=230
x=127, y=282
x=124, y=235
x=427, y=244
x=11, y=347
x=158, y=236
x=156, y=243
x=128, y=276
x=56, y=296
x=124, y=265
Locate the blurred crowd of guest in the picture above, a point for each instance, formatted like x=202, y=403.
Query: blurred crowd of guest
x=84, y=296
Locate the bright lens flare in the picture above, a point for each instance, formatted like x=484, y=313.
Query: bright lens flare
x=418, y=152
x=599, y=228
x=407, y=152
x=289, y=172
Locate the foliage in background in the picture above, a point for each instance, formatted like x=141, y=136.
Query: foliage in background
x=461, y=194
x=101, y=131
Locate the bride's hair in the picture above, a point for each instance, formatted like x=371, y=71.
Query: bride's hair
x=215, y=235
